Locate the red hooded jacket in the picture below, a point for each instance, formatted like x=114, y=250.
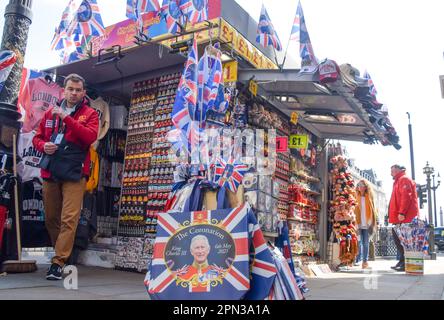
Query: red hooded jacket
x=404, y=199
x=80, y=129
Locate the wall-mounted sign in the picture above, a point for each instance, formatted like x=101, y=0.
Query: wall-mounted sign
x=298, y=141
x=281, y=144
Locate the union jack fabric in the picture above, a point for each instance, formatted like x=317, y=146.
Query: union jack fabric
x=136, y=8
x=186, y=95
x=195, y=10
x=7, y=62
x=87, y=20
x=174, y=273
x=210, y=77
x=300, y=33
x=262, y=268
x=373, y=91
x=266, y=34
x=229, y=173
x=285, y=286
x=61, y=32
x=173, y=11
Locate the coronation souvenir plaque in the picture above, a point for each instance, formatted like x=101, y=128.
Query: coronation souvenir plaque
x=201, y=256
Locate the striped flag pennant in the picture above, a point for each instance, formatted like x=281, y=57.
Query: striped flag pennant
x=136, y=8
x=373, y=91
x=266, y=34
x=7, y=62
x=262, y=268
x=61, y=32
x=195, y=10
x=201, y=255
x=87, y=20
x=300, y=33
x=210, y=77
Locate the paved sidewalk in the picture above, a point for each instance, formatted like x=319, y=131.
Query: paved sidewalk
x=97, y=284
x=380, y=283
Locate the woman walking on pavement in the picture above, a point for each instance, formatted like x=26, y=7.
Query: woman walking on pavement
x=366, y=219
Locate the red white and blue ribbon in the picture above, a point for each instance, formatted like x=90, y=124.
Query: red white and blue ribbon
x=7, y=62
x=266, y=34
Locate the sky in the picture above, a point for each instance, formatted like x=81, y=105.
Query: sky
x=399, y=42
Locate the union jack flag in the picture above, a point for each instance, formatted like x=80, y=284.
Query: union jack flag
x=174, y=13
x=61, y=32
x=262, y=267
x=87, y=20
x=228, y=173
x=136, y=8
x=225, y=276
x=186, y=96
x=7, y=62
x=210, y=76
x=300, y=33
x=266, y=35
x=373, y=91
x=195, y=10
x=285, y=287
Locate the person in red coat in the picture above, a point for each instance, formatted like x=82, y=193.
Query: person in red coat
x=403, y=206
x=76, y=123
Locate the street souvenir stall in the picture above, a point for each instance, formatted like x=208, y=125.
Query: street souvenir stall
x=204, y=214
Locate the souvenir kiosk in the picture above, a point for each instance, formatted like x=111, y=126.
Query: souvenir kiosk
x=304, y=108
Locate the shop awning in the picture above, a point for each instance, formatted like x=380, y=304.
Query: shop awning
x=330, y=111
x=116, y=77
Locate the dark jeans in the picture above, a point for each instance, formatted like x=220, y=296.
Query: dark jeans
x=398, y=246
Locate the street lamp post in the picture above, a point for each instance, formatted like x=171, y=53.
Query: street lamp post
x=428, y=171
x=18, y=18
x=434, y=187
x=412, y=157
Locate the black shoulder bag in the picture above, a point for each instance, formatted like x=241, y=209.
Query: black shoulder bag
x=66, y=164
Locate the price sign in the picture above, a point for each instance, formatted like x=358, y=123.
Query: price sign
x=298, y=141
x=281, y=144
x=253, y=87
x=294, y=118
x=230, y=71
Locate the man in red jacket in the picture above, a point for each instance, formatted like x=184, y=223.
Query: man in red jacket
x=76, y=123
x=403, y=206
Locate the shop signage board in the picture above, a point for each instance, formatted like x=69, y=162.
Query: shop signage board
x=298, y=141
x=281, y=144
x=201, y=256
x=243, y=47
x=230, y=71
